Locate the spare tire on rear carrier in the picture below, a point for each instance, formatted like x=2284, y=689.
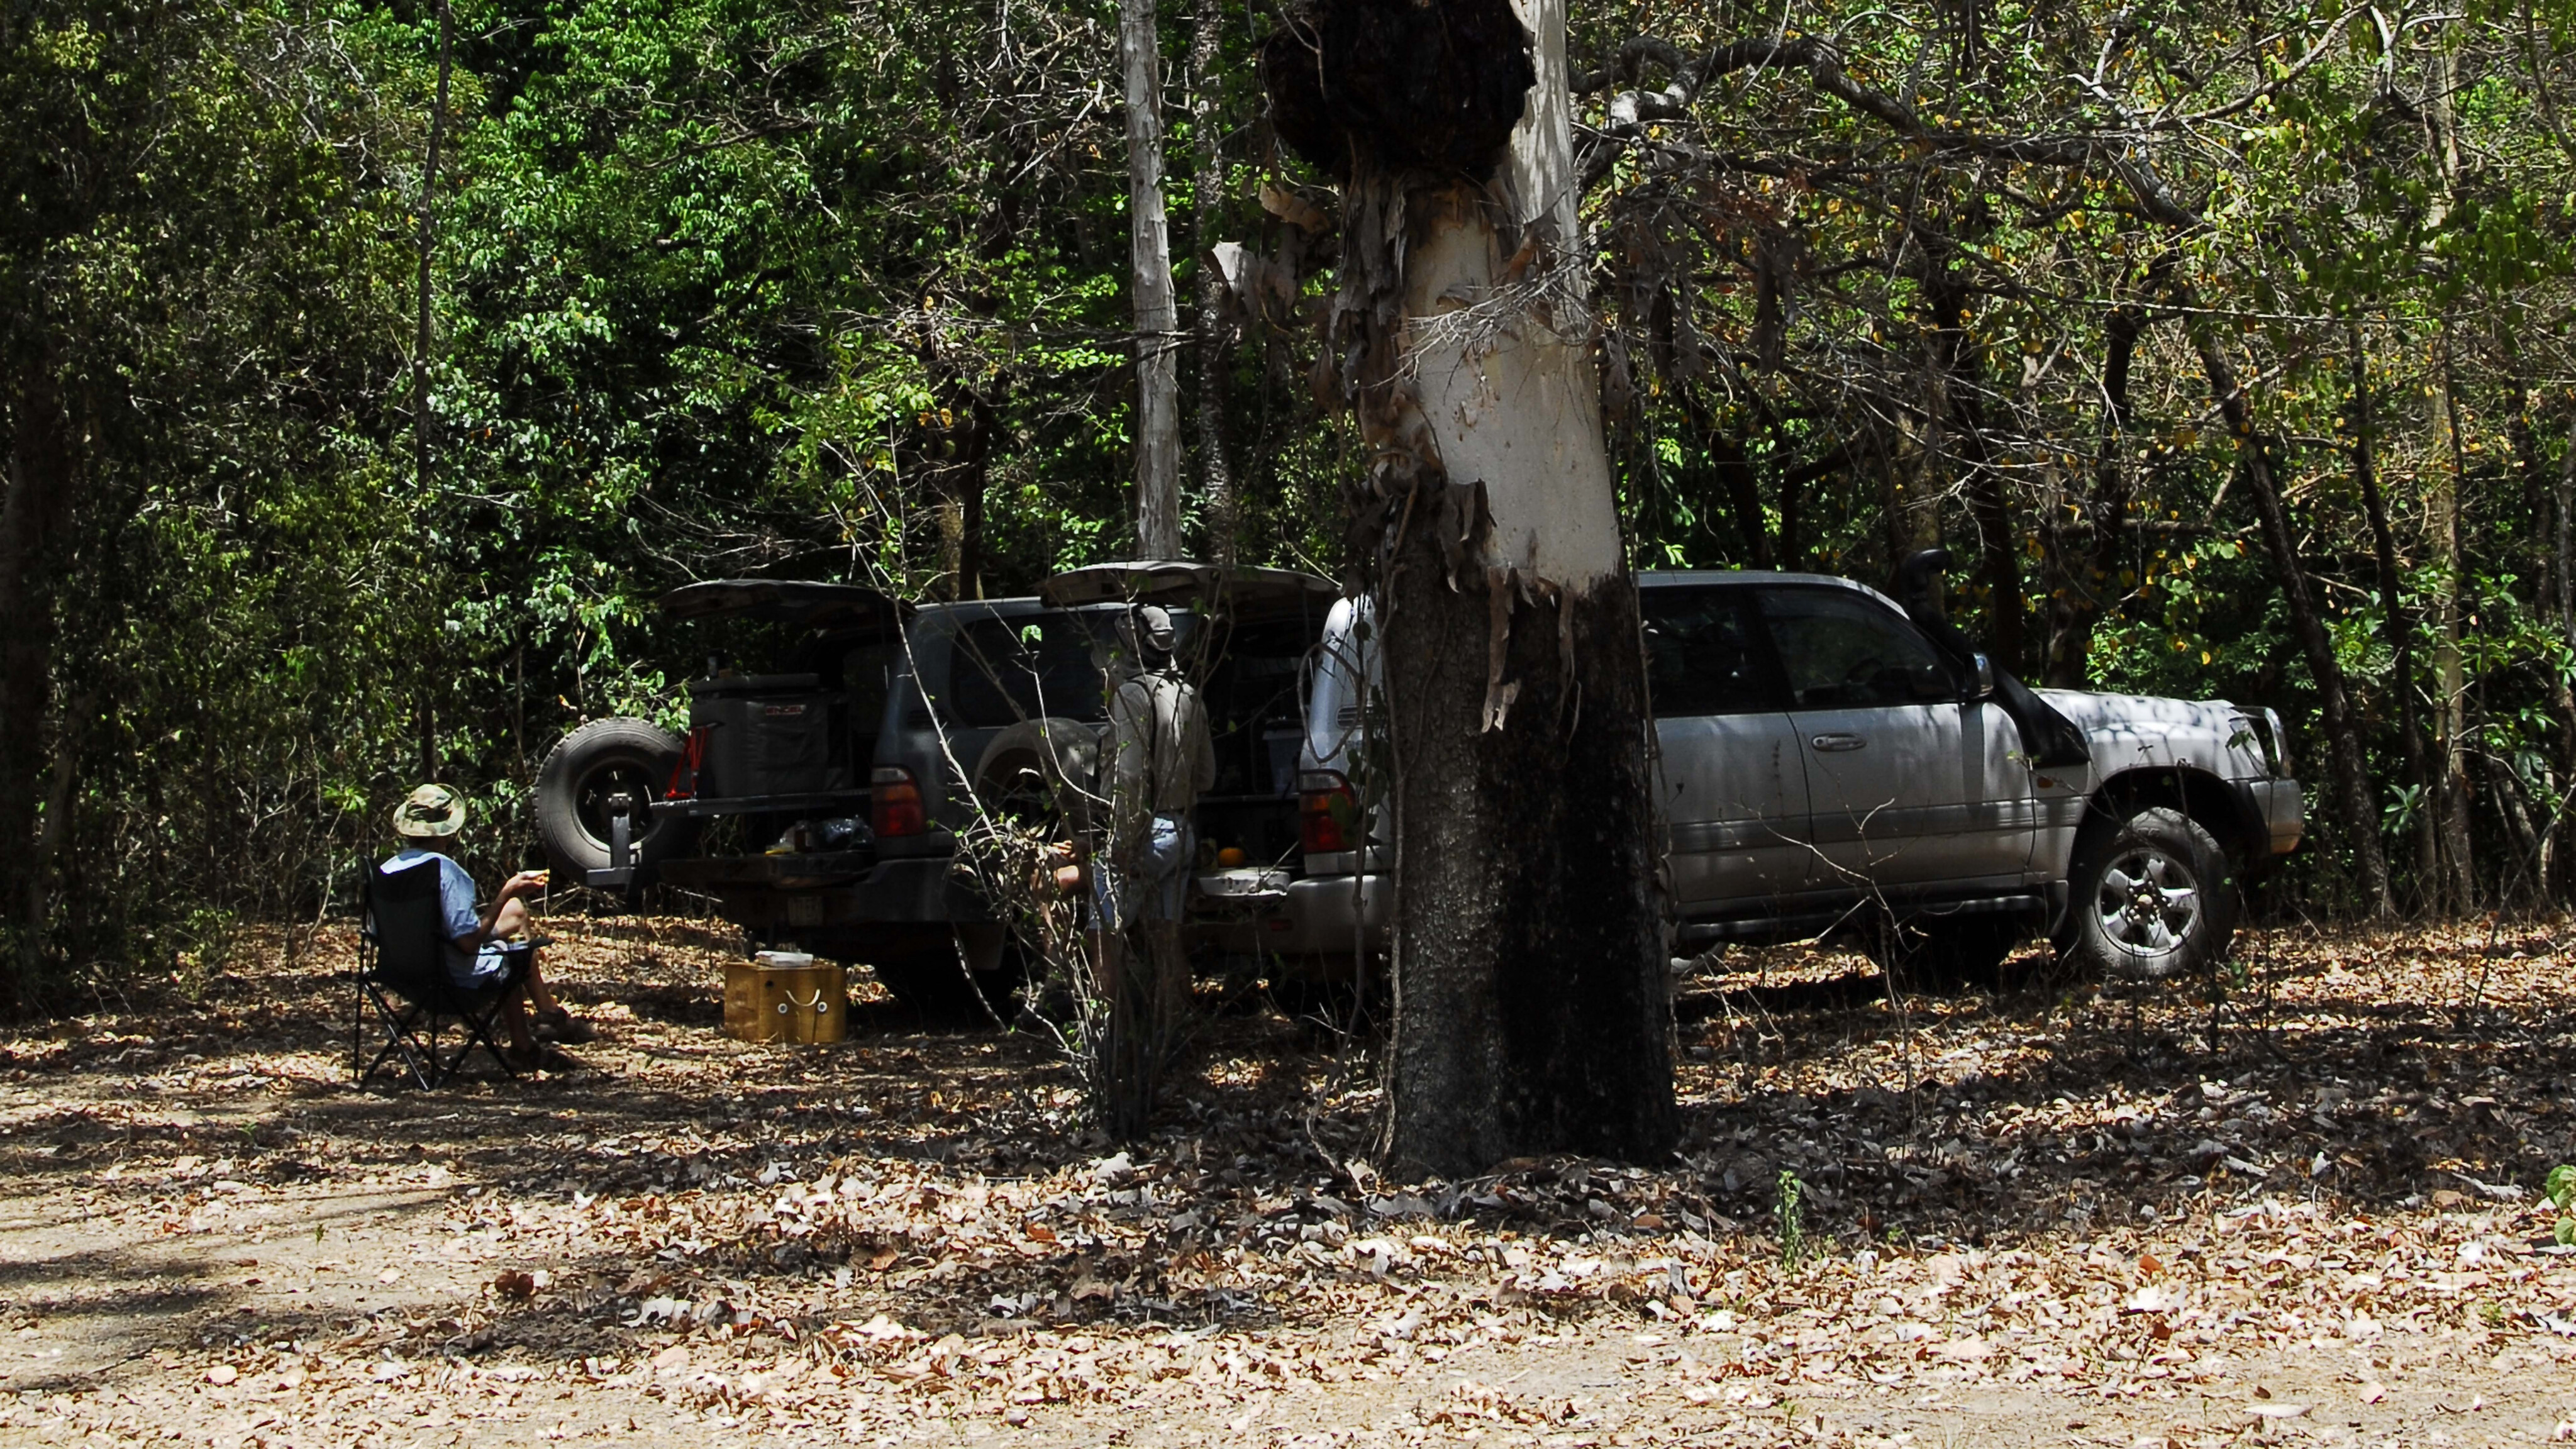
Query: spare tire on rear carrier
x=591, y=766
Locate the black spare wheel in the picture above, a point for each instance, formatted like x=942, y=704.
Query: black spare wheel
x=592, y=767
x=2153, y=897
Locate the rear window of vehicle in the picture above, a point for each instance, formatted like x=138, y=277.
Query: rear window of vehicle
x=1029, y=666
x=1702, y=656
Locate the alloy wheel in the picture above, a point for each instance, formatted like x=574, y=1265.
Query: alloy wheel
x=2148, y=903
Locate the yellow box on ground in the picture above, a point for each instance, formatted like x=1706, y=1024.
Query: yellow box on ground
x=786, y=996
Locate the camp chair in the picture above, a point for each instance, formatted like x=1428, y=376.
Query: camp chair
x=403, y=956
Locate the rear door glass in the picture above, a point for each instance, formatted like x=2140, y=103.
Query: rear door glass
x=1703, y=656
x=867, y=676
x=1256, y=715
x=1027, y=666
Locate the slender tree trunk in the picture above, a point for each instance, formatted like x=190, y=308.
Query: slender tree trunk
x=2451, y=800
x=1158, y=320
x=2400, y=629
x=1957, y=362
x=422, y=427
x=2343, y=741
x=2449, y=670
x=1207, y=194
x=2565, y=550
x=43, y=464
x=1735, y=474
x=1531, y=1013
x=2070, y=653
x=420, y=423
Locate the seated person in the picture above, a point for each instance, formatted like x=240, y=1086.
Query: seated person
x=428, y=821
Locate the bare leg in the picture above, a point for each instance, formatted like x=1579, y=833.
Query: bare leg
x=511, y=920
x=514, y=1015
x=538, y=996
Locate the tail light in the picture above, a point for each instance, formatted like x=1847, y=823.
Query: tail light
x=1328, y=814
x=894, y=803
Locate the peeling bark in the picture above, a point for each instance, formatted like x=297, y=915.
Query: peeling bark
x=1530, y=995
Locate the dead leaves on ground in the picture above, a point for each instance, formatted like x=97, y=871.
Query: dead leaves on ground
x=2110, y=1193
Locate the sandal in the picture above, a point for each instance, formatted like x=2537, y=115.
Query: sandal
x=562, y=1026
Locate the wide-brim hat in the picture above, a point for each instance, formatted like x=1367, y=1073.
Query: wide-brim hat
x=432, y=812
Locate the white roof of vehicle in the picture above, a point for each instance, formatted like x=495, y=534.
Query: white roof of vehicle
x=1668, y=578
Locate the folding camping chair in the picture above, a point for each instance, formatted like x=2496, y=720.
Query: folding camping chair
x=403, y=954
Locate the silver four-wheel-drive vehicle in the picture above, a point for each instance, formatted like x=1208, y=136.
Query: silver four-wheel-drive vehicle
x=1834, y=764
x=819, y=794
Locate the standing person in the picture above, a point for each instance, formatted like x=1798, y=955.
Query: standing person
x=1160, y=760
x=428, y=822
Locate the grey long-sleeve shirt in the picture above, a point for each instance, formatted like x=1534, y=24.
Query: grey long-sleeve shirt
x=1161, y=758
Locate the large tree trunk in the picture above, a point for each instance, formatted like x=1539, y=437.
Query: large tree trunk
x=1207, y=190
x=43, y=461
x=2351, y=778
x=1158, y=317
x=1531, y=1013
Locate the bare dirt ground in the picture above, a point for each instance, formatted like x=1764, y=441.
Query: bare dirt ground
x=2056, y=1215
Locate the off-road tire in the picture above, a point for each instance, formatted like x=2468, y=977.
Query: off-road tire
x=1041, y=773
x=2115, y=926
x=579, y=775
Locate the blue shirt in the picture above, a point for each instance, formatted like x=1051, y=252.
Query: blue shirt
x=456, y=906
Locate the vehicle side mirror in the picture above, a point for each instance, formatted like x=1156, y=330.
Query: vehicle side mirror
x=1985, y=677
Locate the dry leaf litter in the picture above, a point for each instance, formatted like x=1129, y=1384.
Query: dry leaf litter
x=2066, y=1213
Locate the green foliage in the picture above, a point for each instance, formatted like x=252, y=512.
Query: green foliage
x=1789, y=1218
x=727, y=287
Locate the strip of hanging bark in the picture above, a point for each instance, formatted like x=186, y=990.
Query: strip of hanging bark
x=1523, y=885
x=1499, y=694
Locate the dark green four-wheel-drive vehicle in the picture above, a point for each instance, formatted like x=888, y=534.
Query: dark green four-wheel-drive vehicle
x=840, y=739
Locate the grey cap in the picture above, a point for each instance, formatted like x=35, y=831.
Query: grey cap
x=1154, y=628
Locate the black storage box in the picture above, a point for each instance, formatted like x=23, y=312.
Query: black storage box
x=771, y=734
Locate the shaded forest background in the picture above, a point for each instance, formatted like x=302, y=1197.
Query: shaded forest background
x=2226, y=345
